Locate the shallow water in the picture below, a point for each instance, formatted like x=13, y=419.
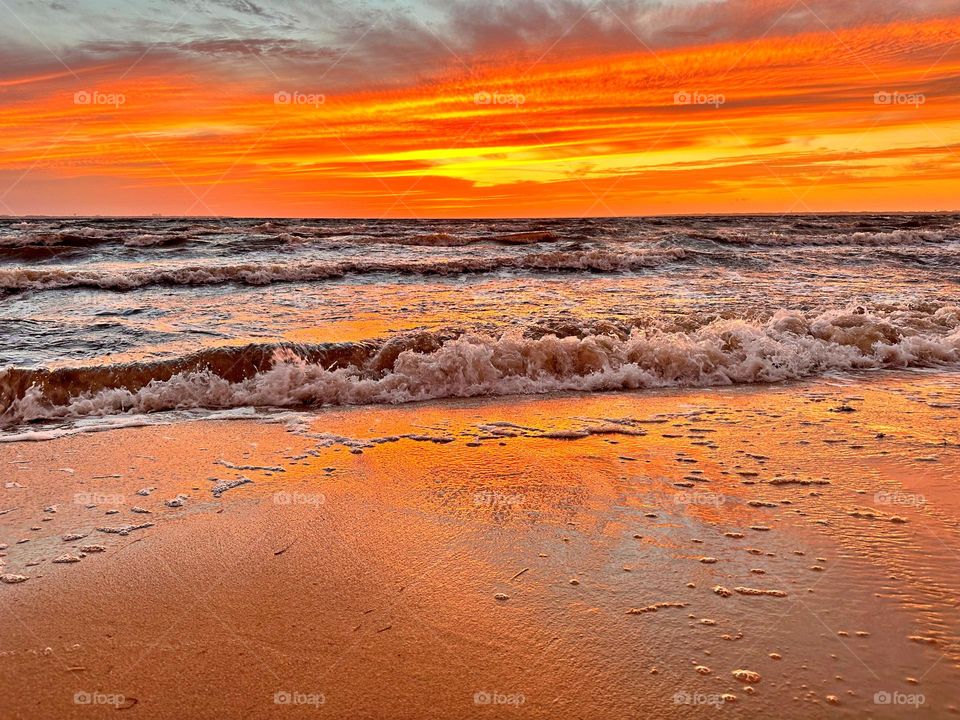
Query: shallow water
x=103, y=317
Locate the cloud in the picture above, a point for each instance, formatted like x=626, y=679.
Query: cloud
x=352, y=45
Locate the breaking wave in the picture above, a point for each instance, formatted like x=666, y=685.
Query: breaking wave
x=423, y=366
x=265, y=273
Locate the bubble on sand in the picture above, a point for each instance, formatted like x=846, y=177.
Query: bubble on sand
x=655, y=607
x=832, y=699
x=67, y=559
x=799, y=481
x=124, y=529
x=728, y=698
x=747, y=676
x=756, y=591
x=722, y=591
x=734, y=535
x=703, y=669
x=708, y=560
x=501, y=596
x=223, y=485
x=843, y=409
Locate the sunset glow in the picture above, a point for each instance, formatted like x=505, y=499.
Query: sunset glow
x=861, y=117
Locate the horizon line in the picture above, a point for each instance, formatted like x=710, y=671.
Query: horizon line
x=432, y=218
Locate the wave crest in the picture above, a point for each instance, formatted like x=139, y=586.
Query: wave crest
x=425, y=366
x=265, y=273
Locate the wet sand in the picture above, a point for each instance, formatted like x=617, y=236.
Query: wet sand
x=787, y=550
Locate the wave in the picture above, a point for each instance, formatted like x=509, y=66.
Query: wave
x=879, y=239
x=77, y=237
x=265, y=273
x=62, y=236
x=147, y=240
x=437, y=239
x=32, y=237
x=423, y=366
x=530, y=237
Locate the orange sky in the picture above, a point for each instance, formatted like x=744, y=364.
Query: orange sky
x=778, y=123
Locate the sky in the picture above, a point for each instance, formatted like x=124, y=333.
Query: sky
x=478, y=108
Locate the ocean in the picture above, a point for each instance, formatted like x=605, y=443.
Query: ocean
x=118, y=318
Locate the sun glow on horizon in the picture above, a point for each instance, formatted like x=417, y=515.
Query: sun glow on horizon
x=861, y=118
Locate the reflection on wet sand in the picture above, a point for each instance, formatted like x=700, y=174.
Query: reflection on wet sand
x=784, y=549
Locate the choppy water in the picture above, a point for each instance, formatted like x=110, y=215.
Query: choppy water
x=100, y=317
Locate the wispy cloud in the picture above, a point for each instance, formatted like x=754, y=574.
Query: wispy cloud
x=533, y=107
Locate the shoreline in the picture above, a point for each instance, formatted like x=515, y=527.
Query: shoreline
x=375, y=583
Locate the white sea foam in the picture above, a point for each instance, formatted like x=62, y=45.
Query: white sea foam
x=788, y=346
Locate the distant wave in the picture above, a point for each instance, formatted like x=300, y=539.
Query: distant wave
x=45, y=238
x=264, y=273
x=436, y=239
x=77, y=237
x=422, y=366
x=788, y=238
